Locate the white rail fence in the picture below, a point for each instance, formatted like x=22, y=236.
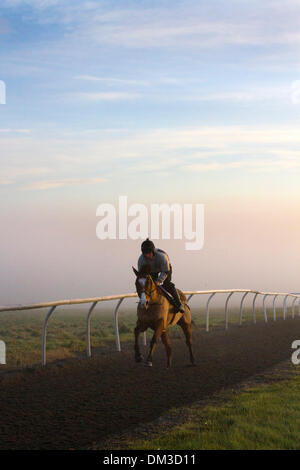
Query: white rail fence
x=95, y=300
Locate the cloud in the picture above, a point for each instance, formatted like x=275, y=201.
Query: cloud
x=111, y=81
x=288, y=92
x=247, y=95
x=10, y=174
x=101, y=96
x=40, y=4
x=5, y=27
x=18, y=131
x=295, y=92
x=5, y=182
x=254, y=164
x=155, y=166
x=130, y=152
x=190, y=23
x=53, y=184
x=193, y=25
x=155, y=142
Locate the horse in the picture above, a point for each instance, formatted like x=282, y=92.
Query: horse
x=156, y=312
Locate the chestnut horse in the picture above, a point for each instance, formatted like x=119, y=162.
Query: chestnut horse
x=155, y=311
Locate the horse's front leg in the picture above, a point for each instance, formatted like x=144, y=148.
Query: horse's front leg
x=137, y=331
x=157, y=334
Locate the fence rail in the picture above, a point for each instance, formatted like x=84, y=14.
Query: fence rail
x=95, y=300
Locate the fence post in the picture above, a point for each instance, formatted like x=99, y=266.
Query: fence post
x=293, y=307
x=44, y=339
x=284, y=306
x=88, y=330
x=2, y=352
x=264, y=307
x=226, y=310
x=274, y=310
x=116, y=325
x=253, y=308
x=207, y=311
x=241, y=307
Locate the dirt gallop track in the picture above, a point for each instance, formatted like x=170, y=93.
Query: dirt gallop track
x=70, y=404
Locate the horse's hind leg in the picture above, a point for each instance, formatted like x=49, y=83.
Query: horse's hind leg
x=137, y=331
x=166, y=340
x=186, y=327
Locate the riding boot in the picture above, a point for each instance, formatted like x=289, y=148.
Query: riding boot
x=170, y=287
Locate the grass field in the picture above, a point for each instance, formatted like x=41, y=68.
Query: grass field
x=21, y=330
x=264, y=417
x=66, y=334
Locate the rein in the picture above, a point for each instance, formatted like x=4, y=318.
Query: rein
x=149, y=292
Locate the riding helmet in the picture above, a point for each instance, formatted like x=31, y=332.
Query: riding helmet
x=148, y=246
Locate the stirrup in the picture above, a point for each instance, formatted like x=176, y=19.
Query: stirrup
x=179, y=308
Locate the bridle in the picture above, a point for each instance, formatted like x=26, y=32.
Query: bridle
x=143, y=291
x=149, y=293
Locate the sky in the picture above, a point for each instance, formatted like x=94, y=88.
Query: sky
x=162, y=101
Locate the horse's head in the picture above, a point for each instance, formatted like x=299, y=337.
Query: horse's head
x=144, y=284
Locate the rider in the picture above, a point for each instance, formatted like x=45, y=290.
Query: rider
x=161, y=269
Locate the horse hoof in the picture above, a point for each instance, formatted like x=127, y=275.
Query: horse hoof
x=148, y=364
x=139, y=358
